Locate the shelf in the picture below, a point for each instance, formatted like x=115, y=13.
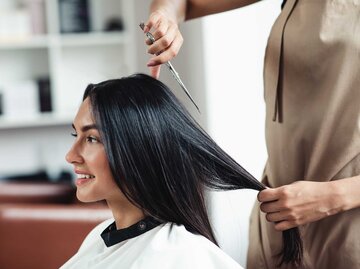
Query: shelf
x=28, y=42
x=69, y=60
x=93, y=39
x=66, y=40
x=41, y=120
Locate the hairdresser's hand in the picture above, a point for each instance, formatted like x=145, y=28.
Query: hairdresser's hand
x=168, y=40
x=300, y=203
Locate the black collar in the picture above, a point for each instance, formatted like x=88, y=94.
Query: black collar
x=111, y=236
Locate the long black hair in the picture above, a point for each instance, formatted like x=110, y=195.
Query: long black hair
x=162, y=160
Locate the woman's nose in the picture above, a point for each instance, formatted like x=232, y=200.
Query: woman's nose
x=73, y=156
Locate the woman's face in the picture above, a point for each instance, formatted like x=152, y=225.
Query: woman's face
x=94, y=181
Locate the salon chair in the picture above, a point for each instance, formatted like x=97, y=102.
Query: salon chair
x=42, y=224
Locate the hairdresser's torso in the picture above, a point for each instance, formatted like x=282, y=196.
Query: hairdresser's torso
x=312, y=94
x=317, y=88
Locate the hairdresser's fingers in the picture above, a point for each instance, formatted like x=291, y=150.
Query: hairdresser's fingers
x=164, y=40
x=285, y=225
x=154, y=19
x=277, y=216
x=161, y=37
x=166, y=32
x=155, y=71
x=148, y=42
x=268, y=195
x=274, y=206
x=168, y=54
x=163, y=28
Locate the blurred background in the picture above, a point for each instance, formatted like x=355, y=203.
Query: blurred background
x=50, y=50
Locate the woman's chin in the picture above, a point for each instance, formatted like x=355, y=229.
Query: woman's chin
x=84, y=197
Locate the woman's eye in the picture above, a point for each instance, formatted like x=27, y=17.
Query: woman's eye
x=73, y=134
x=92, y=139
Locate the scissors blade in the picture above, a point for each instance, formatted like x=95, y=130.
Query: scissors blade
x=182, y=85
x=171, y=68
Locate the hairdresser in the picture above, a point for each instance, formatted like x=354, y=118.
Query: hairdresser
x=312, y=95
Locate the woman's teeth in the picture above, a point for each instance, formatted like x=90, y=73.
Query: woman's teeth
x=85, y=176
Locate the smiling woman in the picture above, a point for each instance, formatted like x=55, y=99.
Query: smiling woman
x=137, y=148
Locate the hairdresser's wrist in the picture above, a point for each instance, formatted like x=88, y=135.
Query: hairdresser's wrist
x=347, y=191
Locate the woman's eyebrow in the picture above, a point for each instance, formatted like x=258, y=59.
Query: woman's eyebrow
x=86, y=127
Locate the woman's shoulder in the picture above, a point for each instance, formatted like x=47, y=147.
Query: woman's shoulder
x=183, y=249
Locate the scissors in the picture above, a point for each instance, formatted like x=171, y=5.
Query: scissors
x=171, y=68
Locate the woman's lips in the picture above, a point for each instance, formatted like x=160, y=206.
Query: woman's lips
x=82, y=181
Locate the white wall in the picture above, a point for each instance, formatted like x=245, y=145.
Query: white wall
x=234, y=50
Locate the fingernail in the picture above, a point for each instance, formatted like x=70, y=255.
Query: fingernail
x=151, y=63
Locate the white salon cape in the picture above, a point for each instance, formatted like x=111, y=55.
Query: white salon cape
x=161, y=246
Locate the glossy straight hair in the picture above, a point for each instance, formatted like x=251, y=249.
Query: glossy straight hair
x=162, y=160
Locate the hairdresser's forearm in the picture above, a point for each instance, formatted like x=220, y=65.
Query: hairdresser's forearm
x=174, y=9
x=200, y=8
x=350, y=190
x=181, y=10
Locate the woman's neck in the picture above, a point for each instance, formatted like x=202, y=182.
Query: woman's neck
x=126, y=214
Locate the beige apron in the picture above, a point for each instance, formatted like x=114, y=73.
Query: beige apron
x=312, y=94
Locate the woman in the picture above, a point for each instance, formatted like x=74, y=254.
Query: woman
x=311, y=83
x=137, y=148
